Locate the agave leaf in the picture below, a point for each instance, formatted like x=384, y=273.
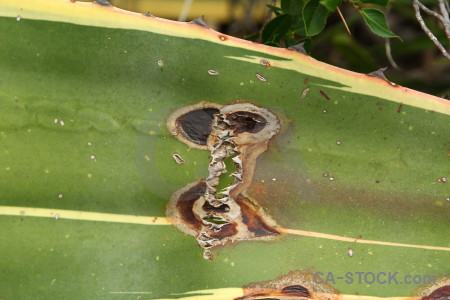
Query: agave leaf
x=355, y=179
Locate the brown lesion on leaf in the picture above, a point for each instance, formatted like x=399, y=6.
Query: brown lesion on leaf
x=179, y=208
x=256, y=220
x=295, y=285
x=265, y=63
x=437, y=291
x=210, y=210
x=324, y=95
x=250, y=221
x=192, y=124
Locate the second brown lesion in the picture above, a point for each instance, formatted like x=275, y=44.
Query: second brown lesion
x=295, y=285
x=251, y=223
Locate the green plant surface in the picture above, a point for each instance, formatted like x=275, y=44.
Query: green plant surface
x=87, y=169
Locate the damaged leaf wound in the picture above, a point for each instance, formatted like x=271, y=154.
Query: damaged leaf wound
x=296, y=290
x=215, y=209
x=243, y=121
x=192, y=125
x=439, y=290
x=196, y=125
x=295, y=285
x=441, y=293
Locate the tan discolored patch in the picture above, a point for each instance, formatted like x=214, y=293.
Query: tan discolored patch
x=295, y=285
x=216, y=210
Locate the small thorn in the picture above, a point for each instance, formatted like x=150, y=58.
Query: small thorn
x=103, y=2
x=379, y=73
x=299, y=48
x=200, y=21
x=148, y=14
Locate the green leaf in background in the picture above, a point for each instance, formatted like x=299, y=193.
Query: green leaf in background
x=276, y=28
x=354, y=53
x=271, y=43
x=377, y=2
x=276, y=10
x=331, y=5
x=293, y=7
x=314, y=17
x=299, y=26
x=376, y=21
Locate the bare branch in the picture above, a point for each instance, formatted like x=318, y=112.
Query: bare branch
x=185, y=10
x=387, y=46
x=343, y=20
x=444, y=9
x=445, y=22
x=447, y=6
x=269, y=12
x=267, y=19
x=417, y=7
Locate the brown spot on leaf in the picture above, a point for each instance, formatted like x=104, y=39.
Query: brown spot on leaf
x=296, y=290
x=240, y=131
x=226, y=231
x=221, y=209
x=324, y=95
x=438, y=290
x=440, y=294
x=243, y=121
x=183, y=206
x=265, y=63
x=295, y=285
x=254, y=222
x=222, y=38
x=253, y=225
x=196, y=124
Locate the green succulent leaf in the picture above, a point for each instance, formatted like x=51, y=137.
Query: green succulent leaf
x=92, y=162
x=376, y=21
x=314, y=17
x=276, y=10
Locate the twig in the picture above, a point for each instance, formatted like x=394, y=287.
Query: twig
x=416, y=6
x=444, y=21
x=248, y=12
x=444, y=8
x=447, y=6
x=269, y=12
x=343, y=20
x=185, y=10
x=266, y=19
x=387, y=46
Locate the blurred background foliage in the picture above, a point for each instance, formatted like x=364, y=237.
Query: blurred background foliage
x=419, y=64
